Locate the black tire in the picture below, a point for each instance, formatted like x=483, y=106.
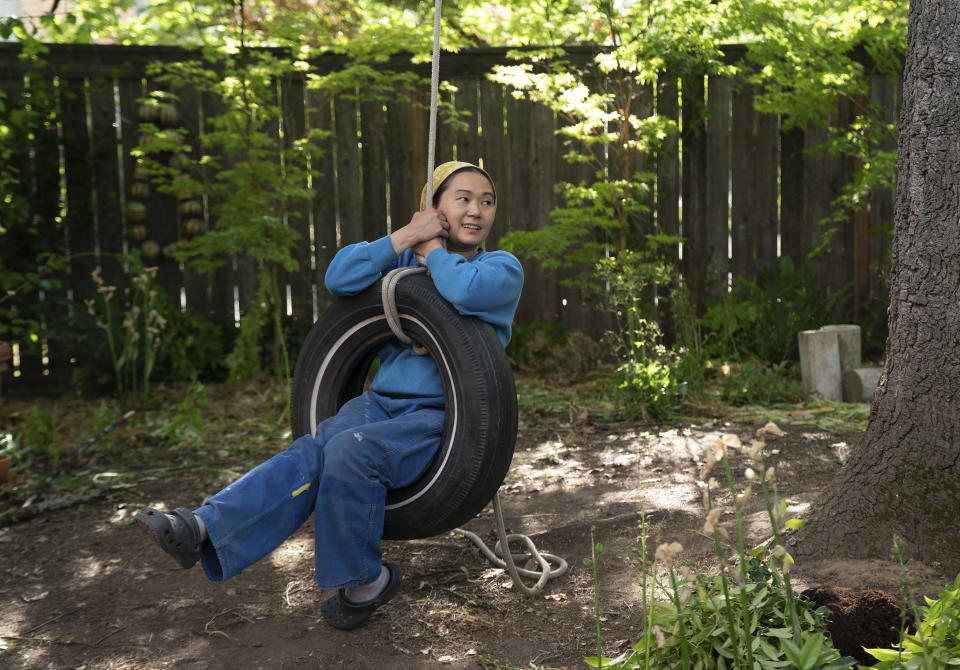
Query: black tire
x=481, y=400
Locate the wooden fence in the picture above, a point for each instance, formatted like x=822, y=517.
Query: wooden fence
x=740, y=190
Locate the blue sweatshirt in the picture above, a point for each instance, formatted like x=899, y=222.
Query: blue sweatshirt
x=486, y=286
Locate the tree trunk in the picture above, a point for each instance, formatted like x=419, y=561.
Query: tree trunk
x=903, y=478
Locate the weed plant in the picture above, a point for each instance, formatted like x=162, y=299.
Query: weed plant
x=756, y=383
x=761, y=319
x=747, y=616
x=133, y=326
x=935, y=644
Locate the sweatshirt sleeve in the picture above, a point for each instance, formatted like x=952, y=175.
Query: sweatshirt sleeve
x=357, y=266
x=488, y=288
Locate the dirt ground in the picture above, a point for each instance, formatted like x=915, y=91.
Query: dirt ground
x=82, y=588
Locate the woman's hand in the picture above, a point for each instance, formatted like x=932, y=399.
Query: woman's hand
x=423, y=234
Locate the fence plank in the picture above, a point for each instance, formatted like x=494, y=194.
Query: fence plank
x=446, y=133
x=792, y=194
x=718, y=186
x=200, y=290
x=468, y=139
x=693, y=167
x=374, y=141
x=163, y=211
x=668, y=165
x=349, y=183
x=404, y=199
x=298, y=211
x=754, y=186
x=492, y=151
x=824, y=177
x=78, y=172
x=320, y=117
x=108, y=186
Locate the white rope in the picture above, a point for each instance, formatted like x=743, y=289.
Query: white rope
x=434, y=95
x=388, y=298
x=503, y=557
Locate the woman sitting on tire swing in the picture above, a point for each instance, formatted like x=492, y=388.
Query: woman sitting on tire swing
x=380, y=440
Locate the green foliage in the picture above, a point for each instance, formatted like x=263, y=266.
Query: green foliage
x=607, y=123
x=936, y=642
x=187, y=425
x=762, y=319
x=649, y=379
x=41, y=438
x=252, y=179
x=756, y=383
x=31, y=253
x=747, y=616
x=244, y=361
x=803, y=52
x=698, y=636
x=194, y=347
x=12, y=445
x=132, y=324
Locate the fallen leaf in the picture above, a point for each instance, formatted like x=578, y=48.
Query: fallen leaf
x=33, y=597
x=770, y=429
x=556, y=597
x=731, y=440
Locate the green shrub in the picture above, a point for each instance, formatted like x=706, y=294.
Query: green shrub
x=747, y=616
x=755, y=383
x=761, y=319
x=935, y=644
x=702, y=626
x=652, y=385
x=194, y=347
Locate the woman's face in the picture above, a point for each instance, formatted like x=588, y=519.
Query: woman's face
x=469, y=207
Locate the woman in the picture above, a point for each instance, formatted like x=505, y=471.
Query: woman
x=382, y=439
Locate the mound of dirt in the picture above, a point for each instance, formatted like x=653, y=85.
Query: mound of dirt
x=859, y=619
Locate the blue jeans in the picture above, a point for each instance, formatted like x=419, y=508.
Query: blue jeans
x=374, y=443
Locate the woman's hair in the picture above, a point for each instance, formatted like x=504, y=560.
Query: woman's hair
x=445, y=184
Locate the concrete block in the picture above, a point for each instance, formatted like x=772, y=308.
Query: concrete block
x=848, y=336
x=860, y=383
x=820, y=363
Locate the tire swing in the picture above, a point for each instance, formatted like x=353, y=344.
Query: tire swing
x=481, y=399
x=480, y=429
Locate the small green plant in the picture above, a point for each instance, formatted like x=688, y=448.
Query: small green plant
x=647, y=368
x=754, y=383
x=761, y=319
x=133, y=326
x=40, y=438
x=936, y=642
x=12, y=445
x=591, y=564
x=187, y=424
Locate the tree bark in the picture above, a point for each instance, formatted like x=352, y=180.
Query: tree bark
x=903, y=478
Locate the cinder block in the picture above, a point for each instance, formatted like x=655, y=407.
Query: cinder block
x=820, y=363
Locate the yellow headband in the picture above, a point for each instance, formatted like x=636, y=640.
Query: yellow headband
x=444, y=170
